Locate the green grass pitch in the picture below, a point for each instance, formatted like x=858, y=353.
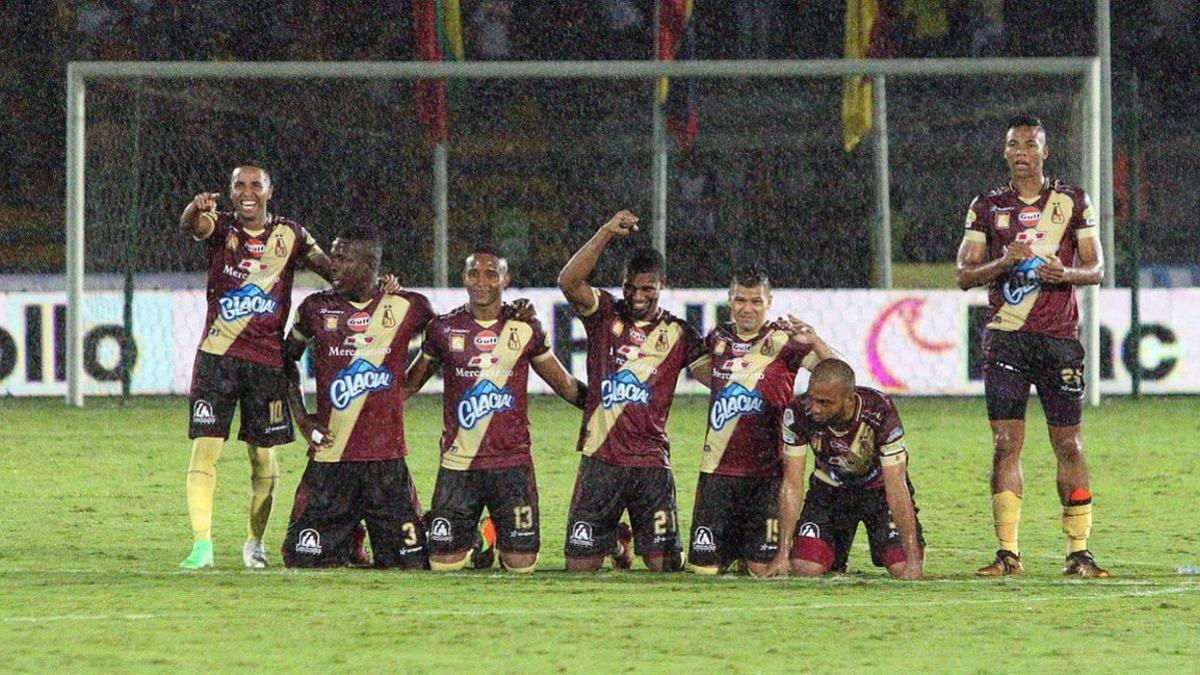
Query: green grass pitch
x=93, y=524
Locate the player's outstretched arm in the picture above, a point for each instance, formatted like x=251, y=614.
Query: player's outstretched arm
x=310, y=428
x=971, y=268
x=573, y=279
x=553, y=373
x=791, y=496
x=419, y=371
x=198, y=217
x=701, y=370
x=900, y=501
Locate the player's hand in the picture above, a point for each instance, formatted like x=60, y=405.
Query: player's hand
x=520, y=309
x=205, y=202
x=779, y=567
x=798, y=330
x=314, y=432
x=1053, y=272
x=913, y=570
x=1017, y=252
x=390, y=284
x=622, y=224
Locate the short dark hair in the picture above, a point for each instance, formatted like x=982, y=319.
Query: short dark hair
x=643, y=260
x=364, y=234
x=487, y=249
x=751, y=276
x=1025, y=121
x=254, y=165
x=834, y=371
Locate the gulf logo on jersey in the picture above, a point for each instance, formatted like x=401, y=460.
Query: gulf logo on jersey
x=740, y=348
x=256, y=247
x=486, y=341
x=1029, y=217
x=358, y=340
x=359, y=321
x=358, y=379
x=733, y=402
x=483, y=361
x=630, y=352
x=637, y=336
x=735, y=365
x=253, y=266
x=245, y=301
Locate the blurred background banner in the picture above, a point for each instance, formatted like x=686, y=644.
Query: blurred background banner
x=904, y=342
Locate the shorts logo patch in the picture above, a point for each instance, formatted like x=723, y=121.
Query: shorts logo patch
x=581, y=535
x=202, y=413
x=440, y=530
x=810, y=530
x=309, y=542
x=704, y=540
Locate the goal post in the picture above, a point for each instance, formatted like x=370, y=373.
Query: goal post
x=79, y=74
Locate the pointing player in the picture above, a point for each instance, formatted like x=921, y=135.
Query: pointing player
x=1031, y=242
x=356, y=469
x=754, y=366
x=485, y=359
x=635, y=353
x=252, y=256
x=861, y=474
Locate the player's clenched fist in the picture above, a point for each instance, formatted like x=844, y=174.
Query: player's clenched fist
x=205, y=201
x=623, y=223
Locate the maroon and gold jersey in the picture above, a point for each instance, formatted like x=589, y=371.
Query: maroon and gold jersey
x=854, y=456
x=360, y=351
x=250, y=286
x=1052, y=224
x=633, y=367
x=485, y=367
x=752, y=381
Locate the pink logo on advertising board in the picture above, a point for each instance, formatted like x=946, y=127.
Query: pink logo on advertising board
x=907, y=313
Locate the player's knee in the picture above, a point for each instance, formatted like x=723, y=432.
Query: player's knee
x=584, y=564
x=664, y=562
x=1006, y=443
x=1068, y=448
x=449, y=563
x=808, y=568
x=519, y=563
x=704, y=570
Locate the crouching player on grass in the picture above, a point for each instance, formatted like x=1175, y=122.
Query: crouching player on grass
x=861, y=474
x=356, y=469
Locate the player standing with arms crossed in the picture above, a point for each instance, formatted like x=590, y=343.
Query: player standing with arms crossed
x=1031, y=242
x=635, y=352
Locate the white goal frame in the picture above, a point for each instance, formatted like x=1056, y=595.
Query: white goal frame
x=79, y=72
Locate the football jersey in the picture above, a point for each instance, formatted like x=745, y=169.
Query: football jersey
x=249, y=290
x=854, y=456
x=485, y=369
x=752, y=382
x=633, y=367
x=359, y=352
x=1052, y=224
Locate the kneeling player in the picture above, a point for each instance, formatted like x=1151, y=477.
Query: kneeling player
x=861, y=475
x=485, y=356
x=356, y=469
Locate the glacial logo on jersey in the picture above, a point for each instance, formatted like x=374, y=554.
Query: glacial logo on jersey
x=623, y=387
x=358, y=379
x=482, y=400
x=245, y=301
x=1021, y=281
x=733, y=402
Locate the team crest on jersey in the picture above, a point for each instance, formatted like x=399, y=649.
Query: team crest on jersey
x=623, y=388
x=486, y=340
x=483, y=400
x=331, y=323
x=1002, y=221
x=768, y=347
x=720, y=348
x=458, y=343
x=1029, y=217
x=1056, y=214
x=248, y=300
x=514, y=340
x=356, y=380
x=231, y=242
x=280, y=248
x=733, y=402
x=389, y=319
x=255, y=247
x=662, y=343
x=359, y=322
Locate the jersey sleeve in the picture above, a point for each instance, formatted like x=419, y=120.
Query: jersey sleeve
x=302, y=330
x=976, y=225
x=222, y=227
x=1084, y=223
x=695, y=347
x=795, y=440
x=600, y=313
x=306, y=246
x=422, y=312
x=431, y=344
x=890, y=436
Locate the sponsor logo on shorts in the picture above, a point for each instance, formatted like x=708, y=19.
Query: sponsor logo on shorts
x=202, y=413
x=440, y=530
x=810, y=530
x=309, y=542
x=623, y=388
x=733, y=402
x=581, y=535
x=704, y=540
x=245, y=301
x=359, y=379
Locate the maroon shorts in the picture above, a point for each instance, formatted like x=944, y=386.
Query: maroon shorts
x=830, y=516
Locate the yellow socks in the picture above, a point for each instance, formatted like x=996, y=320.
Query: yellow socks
x=201, y=484
x=264, y=473
x=1077, y=519
x=1006, y=515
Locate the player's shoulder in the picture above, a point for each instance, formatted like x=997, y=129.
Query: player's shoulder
x=875, y=404
x=994, y=195
x=321, y=299
x=415, y=299
x=1074, y=192
x=283, y=221
x=456, y=315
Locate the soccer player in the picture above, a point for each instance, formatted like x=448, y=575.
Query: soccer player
x=484, y=360
x=635, y=352
x=252, y=256
x=356, y=469
x=754, y=365
x=1031, y=242
x=861, y=474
